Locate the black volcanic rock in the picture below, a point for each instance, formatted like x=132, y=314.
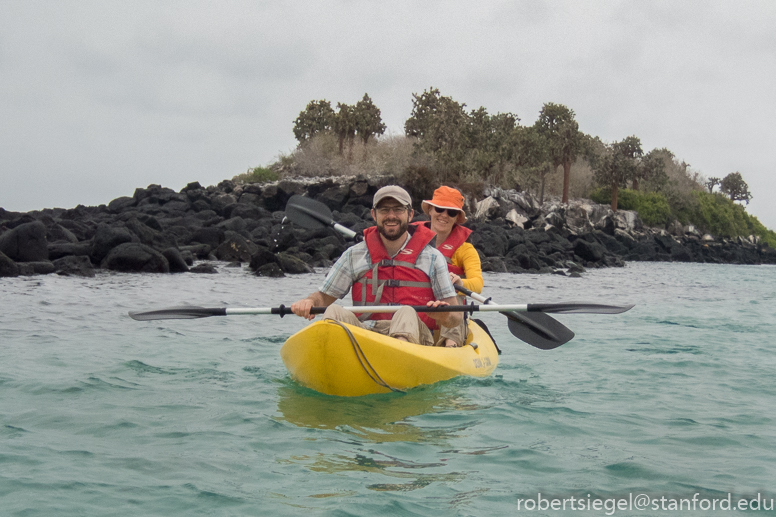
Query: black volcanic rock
x=239, y=223
x=133, y=257
x=7, y=266
x=175, y=260
x=25, y=243
x=74, y=266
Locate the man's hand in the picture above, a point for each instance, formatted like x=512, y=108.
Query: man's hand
x=302, y=308
x=317, y=299
x=446, y=319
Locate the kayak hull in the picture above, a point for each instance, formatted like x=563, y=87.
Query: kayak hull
x=323, y=357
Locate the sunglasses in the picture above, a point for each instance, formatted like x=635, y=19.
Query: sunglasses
x=451, y=212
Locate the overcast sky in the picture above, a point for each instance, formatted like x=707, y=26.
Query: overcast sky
x=98, y=98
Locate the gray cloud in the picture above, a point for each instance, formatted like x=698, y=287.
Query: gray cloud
x=98, y=98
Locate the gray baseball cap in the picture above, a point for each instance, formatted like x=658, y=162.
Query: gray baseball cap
x=394, y=191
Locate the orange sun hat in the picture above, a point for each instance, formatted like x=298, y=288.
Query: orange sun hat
x=446, y=197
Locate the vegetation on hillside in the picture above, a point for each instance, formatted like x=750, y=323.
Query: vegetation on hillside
x=446, y=143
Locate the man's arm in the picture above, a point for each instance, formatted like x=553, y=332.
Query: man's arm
x=316, y=299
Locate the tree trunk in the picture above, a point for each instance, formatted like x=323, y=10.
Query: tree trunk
x=541, y=192
x=635, y=183
x=566, y=180
x=615, y=190
x=341, y=143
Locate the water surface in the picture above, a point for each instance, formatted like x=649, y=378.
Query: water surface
x=103, y=415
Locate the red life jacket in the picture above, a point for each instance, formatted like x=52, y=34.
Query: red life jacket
x=457, y=236
x=395, y=281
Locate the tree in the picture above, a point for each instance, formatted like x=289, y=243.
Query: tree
x=734, y=186
x=440, y=125
x=367, y=119
x=711, y=183
x=489, y=143
x=651, y=169
x=556, y=122
x=344, y=125
x=317, y=117
x=531, y=153
x=617, y=164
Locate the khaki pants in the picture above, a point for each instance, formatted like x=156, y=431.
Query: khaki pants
x=405, y=323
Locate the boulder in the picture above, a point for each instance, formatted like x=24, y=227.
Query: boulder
x=494, y=264
x=491, y=240
x=293, y=265
x=589, y=251
x=578, y=218
x=149, y=235
x=7, y=266
x=44, y=267
x=213, y=236
x=175, y=259
x=25, y=243
x=261, y=257
x=200, y=251
x=516, y=218
x=234, y=224
x=74, y=266
x=208, y=269
x=335, y=197
x=488, y=208
x=105, y=239
x=235, y=248
x=221, y=202
x=627, y=220
x=83, y=231
x=63, y=249
x=58, y=233
x=135, y=257
x=121, y=203
x=270, y=270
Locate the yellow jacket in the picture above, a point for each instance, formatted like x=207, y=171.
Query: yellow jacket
x=467, y=258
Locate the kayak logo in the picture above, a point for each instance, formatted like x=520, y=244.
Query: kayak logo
x=406, y=252
x=447, y=247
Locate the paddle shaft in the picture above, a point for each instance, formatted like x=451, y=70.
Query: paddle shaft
x=369, y=309
x=204, y=312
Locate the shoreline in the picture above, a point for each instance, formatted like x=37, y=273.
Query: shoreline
x=159, y=230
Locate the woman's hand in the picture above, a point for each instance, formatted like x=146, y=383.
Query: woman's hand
x=455, y=279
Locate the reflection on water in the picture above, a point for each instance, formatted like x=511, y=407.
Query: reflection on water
x=374, y=418
x=378, y=419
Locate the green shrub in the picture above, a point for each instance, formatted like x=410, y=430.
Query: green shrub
x=256, y=175
x=602, y=196
x=767, y=236
x=718, y=215
x=652, y=207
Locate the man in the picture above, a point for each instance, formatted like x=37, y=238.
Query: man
x=395, y=264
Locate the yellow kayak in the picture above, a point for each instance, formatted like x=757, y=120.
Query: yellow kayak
x=340, y=359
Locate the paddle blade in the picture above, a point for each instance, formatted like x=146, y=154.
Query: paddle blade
x=308, y=213
x=578, y=308
x=538, y=329
x=188, y=312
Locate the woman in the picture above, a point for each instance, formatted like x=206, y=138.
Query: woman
x=463, y=262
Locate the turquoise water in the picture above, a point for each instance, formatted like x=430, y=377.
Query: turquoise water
x=103, y=415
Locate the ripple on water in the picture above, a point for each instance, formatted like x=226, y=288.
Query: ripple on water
x=102, y=414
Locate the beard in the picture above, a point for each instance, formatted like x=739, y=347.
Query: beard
x=394, y=232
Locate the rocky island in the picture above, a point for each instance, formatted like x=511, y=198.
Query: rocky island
x=158, y=230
